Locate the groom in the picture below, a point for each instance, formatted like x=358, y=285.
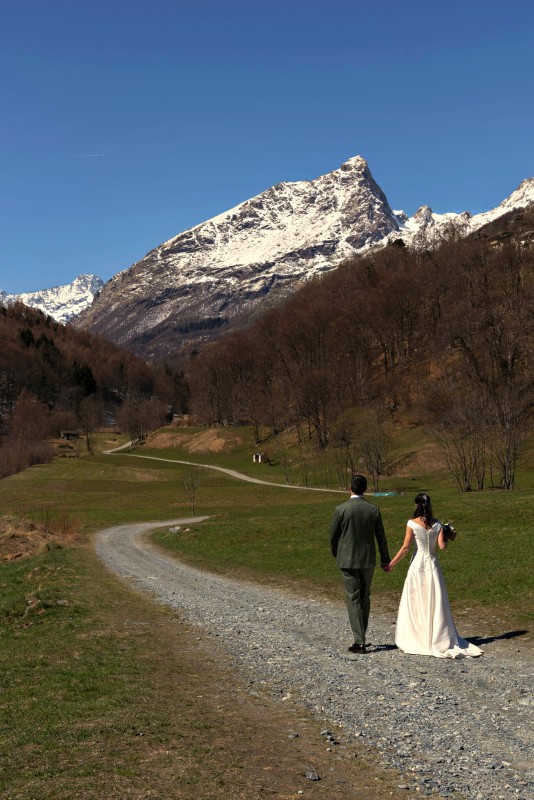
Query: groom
x=355, y=526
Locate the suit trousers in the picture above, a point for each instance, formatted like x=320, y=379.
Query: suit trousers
x=357, y=583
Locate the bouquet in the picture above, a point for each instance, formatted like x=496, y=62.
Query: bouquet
x=449, y=532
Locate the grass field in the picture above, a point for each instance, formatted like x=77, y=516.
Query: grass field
x=280, y=533
x=89, y=671
x=487, y=568
x=105, y=696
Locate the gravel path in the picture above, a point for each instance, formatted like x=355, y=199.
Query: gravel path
x=447, y=726
x=232, y=473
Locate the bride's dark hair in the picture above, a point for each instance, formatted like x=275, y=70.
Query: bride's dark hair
x=423, y=508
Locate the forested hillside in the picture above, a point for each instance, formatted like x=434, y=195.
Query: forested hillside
x=53, y=377
x=444, y=334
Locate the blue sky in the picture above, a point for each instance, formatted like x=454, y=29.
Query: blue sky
x=125, y=122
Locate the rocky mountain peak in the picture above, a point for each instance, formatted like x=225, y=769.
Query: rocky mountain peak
x=522, y=197
x=424, y=214
x=221, y=272
x=355, y=162
x=426, y=228
x=63, y=303
x=226, y=268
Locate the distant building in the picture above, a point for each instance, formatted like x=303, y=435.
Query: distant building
x=70, y=435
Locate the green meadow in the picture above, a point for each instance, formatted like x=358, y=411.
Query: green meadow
x=74, y=664
x=275, y=533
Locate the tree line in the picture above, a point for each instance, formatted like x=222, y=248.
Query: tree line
x=54, y=378
x=446, y=331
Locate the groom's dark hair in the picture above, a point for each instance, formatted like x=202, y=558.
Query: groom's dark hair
x=358, y=484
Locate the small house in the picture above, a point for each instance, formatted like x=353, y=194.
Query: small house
x=70, y=435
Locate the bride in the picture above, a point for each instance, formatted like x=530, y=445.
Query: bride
x=424, y=623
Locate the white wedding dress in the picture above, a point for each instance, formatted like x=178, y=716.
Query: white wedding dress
x=424, y=623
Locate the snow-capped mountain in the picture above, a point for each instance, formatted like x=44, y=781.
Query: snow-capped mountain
x=200, y=281
x=223, y=271
x=243, y=259
x=425, y=227
x=63, y=303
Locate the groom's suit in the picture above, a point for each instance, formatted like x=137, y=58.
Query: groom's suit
x=356, y=525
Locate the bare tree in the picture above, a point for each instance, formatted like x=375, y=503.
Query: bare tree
x=361, y=441
x=29, y=420
x=139, y=416
x=28, y=426
x=283, y=454
x=509, y=415
x=373, y=442
x=90, y=415
x=192, y=480
x=345, y=445
x=462, y=434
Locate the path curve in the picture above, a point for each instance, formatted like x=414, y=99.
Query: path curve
x=447, y=726
x=231, y=472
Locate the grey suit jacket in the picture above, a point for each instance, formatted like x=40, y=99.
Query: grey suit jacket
x=355, y=526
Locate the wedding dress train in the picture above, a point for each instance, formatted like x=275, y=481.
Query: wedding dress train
x=424, y=623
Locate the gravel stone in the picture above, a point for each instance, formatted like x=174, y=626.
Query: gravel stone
x=440, y=721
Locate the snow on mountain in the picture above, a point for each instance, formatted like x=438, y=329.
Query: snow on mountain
x=425, y=227
x=242, y=260
x=63, y=303
x=221, y=272
x=344, y=210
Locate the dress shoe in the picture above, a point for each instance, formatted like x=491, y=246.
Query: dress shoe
x=357, y=648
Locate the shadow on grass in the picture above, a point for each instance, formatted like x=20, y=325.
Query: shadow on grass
x=479, y=640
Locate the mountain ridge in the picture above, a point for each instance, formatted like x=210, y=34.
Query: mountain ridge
x=427, y=225
x=219, y=273
x=64, y=302
x=223, y=271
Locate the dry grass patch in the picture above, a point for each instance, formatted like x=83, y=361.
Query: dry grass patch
x=22, y=537
x=209, y=441
x=425, y=460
